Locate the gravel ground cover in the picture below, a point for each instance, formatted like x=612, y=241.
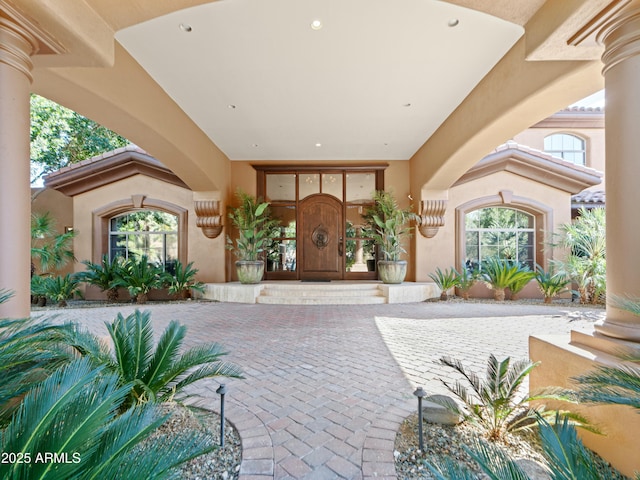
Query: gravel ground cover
x=448, y=440
x=221, y=464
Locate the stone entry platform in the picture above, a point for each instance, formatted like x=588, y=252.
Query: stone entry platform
x=321, y=293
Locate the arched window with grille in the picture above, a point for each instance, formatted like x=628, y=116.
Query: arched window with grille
x=145, y=232
x=566, y=146
x=500, y=232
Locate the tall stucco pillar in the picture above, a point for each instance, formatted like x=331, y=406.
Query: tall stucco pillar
x=621, y=59
x=16, y=47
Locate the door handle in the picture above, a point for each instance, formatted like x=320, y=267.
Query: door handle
x=340, y=246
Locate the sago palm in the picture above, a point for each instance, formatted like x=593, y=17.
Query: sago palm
x=75, y=415
x=500, y=274
x=139, y=277
x=493, y=403
x=183, y=280
x=551, y=283
x=159, y=374
x=618, y=385
x=566, y=458
x=29, y=352
x=104, y=275
x=445, y=280
x=61, y=288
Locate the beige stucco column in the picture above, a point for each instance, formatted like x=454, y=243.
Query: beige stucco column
x=621, y=38
x=16, y=47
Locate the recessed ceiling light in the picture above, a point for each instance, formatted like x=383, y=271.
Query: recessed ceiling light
x=231, y=106
x=185, y=27
x=407, y=105
x=316, y=25
x=318, y=144
x=453, y=22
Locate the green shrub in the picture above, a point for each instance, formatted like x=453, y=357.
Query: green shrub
x=445, y=280
x=61, y=289
x=551, y=283
x=38, y=291
x=465, y=280
x=586, y=263
x=104, y=275
x=566, y=458
x=388, y=224
x=77, y=412
x=29, y=352
x=183, y=281
x=521, y=279
x=139, y=277
x=501, y=274
x=495, y=404
x=154, y=374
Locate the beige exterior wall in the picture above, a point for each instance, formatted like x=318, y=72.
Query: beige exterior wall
x=60, y=207
x=440, y=251
x=594, y=138
x=207, y=254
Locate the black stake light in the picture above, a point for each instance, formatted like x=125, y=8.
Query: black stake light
x=222, y=389
x=420, y=393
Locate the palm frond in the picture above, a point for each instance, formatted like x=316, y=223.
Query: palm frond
x=618, y=386
x=566, y=455
x=494, y=461
x=165, y=355
x=445, y=468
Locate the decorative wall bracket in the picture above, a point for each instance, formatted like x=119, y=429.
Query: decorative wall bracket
x=432, y=217
x=208, y=217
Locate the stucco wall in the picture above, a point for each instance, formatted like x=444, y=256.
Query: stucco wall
x=207, y=254
x=440, y=251
x=60, y=207
x=594, y=138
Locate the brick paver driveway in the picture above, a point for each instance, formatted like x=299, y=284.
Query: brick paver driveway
x=326, y=387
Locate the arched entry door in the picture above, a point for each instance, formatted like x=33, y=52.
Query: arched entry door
x=321, y=248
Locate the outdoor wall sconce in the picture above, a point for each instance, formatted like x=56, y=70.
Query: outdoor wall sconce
x=420, y=393
x=431, y=217
x=208, y=217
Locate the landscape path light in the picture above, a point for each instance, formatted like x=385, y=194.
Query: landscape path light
x=222, y=390
x=420, y=393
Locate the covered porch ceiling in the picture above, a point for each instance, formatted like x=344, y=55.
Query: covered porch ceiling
x=198, y=83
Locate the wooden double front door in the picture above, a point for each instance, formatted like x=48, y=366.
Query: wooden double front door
x=321, y=238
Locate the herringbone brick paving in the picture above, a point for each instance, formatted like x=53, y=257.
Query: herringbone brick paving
x=326, y=387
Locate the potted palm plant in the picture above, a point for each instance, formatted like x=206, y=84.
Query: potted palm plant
x=389, y=226
x=254, y=224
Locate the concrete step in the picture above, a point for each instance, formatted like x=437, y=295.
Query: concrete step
x=321, y=293
x=321, y=289
x=321, y=300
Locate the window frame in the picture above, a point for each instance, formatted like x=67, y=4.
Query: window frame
x=142, y=233
x=502, y=230
x=102, y=217
x=543, y=217
x=563, y=152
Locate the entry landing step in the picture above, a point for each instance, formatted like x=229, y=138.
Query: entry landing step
x=321, y=293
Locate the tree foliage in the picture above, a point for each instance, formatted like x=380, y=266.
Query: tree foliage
x=60, y=137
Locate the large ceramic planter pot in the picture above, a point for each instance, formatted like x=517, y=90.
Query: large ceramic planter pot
x=392, y=272
x=250, y=272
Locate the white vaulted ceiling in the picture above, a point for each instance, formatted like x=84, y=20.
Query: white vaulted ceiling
x=373, y=83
